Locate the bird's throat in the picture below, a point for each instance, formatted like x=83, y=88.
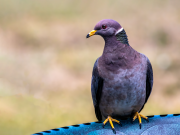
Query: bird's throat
x=117, y=55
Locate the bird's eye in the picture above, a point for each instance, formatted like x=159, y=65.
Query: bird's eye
x=104, y=26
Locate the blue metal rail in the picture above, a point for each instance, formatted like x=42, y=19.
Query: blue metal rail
x=158, y=124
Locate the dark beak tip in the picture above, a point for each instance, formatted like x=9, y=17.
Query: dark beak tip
x=87, y=36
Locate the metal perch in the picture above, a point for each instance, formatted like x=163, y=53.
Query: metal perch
x=158, y=124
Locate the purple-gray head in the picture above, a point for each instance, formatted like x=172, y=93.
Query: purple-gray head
x=106, y=28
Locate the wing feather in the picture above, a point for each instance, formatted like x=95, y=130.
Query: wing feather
x=149, y=81
x=96, y=90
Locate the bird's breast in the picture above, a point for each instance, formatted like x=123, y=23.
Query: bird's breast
x=124, y=90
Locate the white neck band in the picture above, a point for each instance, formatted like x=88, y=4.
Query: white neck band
x=119, y=30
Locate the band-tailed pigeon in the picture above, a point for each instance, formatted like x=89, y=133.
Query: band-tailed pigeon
x=122, y=78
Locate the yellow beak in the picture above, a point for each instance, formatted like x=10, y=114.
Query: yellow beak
x=91, y=33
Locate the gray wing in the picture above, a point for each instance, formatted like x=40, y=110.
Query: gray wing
x=149, y=81
x=96, y=90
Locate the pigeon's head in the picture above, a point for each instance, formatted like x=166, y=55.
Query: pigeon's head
x=106, y=28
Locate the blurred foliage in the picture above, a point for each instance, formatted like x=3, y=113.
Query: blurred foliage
x=162, y=38
x=46, y=61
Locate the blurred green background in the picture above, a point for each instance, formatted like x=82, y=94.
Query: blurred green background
x=46, y=62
